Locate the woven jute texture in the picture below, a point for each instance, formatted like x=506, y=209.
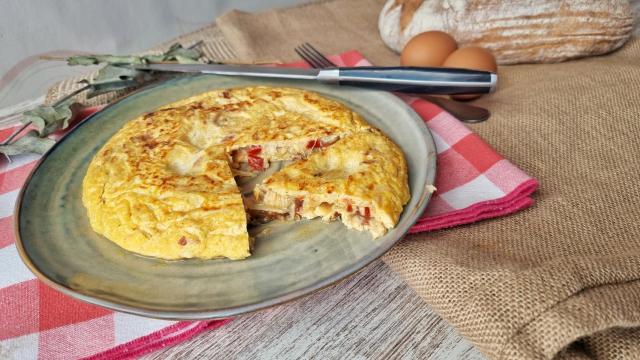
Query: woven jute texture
x=560, y=279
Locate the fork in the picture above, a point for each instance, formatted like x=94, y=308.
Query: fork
x=464, y=112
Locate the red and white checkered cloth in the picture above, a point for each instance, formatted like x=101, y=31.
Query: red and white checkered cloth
x=474, y=182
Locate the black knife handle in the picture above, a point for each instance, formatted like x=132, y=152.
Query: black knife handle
x=414, y=79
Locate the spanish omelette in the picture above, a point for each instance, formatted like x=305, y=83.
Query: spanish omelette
x=163, y=186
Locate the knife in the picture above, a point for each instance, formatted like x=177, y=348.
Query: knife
x=402, y=79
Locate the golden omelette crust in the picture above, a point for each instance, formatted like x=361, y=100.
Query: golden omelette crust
x=366, y=169
x=249, y=116
x=162, y=185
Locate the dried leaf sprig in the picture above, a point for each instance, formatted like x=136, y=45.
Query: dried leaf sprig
x=176, y=53
x=46, y=119
x=115, y=75
x=118, y=73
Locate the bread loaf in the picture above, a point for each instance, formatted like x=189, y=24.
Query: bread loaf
x=635, y=9
x=520, y=31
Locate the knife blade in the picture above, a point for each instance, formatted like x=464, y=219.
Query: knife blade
x=400, y=79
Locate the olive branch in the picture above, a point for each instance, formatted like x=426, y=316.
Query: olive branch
x=117, y=74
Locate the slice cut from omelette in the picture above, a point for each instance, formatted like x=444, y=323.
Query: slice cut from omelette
x=362, y=179
x=262, y=124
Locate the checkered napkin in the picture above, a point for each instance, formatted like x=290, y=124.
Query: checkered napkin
x=474, y=183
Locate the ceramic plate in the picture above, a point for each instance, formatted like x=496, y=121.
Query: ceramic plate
x=290, y=258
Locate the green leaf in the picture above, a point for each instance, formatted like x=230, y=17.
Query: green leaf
x=109, y=86
x=82, y=60
x=65, y=114
x=154, y=58
x=109, y=59
x=186, y=60
x=28, y=143
x=35, y=117
x=48, y=119
x=114, y=77
x=112, y=73
x=177, y=53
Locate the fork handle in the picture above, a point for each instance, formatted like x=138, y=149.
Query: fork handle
x=413, y=79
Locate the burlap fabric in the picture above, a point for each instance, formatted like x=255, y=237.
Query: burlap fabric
x=559, y=280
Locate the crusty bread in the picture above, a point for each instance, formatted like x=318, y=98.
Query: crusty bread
x=523, y=31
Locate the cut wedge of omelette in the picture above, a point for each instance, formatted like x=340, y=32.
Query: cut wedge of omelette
x=163, y=185
x=361, y=179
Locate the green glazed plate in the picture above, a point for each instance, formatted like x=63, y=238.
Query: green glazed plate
x=290, y=259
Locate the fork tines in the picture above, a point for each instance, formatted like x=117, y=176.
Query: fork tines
x=312, y=56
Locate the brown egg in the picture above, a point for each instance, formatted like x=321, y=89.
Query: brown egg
x=429, y=48
x=472, y=57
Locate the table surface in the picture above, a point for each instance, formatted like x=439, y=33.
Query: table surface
x=372, y=315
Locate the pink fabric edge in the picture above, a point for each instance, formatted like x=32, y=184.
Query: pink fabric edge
x=157, y=340
x=516, y=200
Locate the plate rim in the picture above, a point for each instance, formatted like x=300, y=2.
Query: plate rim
x=226, y=312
